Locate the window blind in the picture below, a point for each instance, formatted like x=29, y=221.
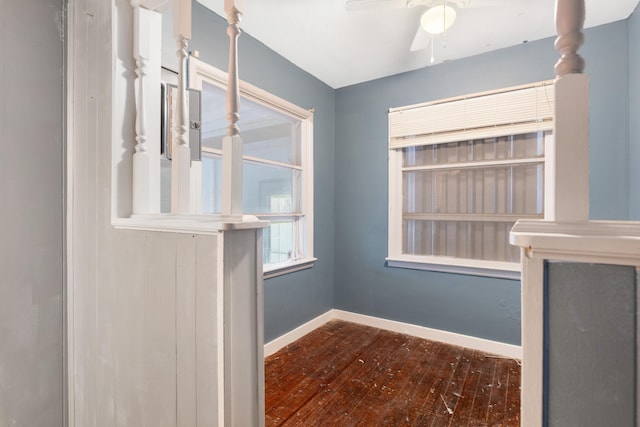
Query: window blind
x=506, y=112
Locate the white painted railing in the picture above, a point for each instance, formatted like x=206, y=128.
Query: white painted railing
x=237, y=364
x=146, y=160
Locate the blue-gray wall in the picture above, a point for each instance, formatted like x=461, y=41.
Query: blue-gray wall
x=292, y=299
x=482, y=307
x=634, y=114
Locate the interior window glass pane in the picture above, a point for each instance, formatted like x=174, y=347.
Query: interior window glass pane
x=270, y=189
x=504, y=147
x=266, y=133
x=278, y=242
x=211, y=187
x=213, y=116
x=266, y=188
x=165, y=186
x=478, y=240
x=489, y=190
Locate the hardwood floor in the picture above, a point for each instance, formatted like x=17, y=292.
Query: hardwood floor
x=344, y=374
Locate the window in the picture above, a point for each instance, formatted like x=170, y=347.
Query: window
x=461, y=173
x=277, y=168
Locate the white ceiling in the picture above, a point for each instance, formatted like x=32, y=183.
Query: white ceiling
x=342, y=47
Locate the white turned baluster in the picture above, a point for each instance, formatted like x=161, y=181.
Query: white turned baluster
x=570, y=16
x=181, y=153
x=146, y=158
x=567, y=162
x=232, y=143
x=233, y=89
x=141, y=127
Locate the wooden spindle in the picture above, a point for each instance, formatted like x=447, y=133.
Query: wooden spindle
x=232, y=150
x=146, y=158
x=181, y=153
x=569, y=18
x=141, y=72
x=233, y=89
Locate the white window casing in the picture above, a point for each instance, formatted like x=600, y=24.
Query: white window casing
x=461, y=172
x=301, y=217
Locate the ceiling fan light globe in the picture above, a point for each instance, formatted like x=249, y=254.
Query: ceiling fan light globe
x=438, y=19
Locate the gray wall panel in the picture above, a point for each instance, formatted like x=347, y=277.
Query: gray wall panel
x=31, y=214
x=591, y=344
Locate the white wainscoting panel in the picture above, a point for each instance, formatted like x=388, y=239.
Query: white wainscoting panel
x=186, y=370
x=208, y=337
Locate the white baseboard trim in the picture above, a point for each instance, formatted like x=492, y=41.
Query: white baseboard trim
x=480, y=344
x=302, y=330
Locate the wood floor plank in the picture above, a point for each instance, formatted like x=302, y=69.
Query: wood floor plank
x=419, y=414
x=463, y=408
x=352, y=384
x=381, y=396
x=483, y=393
x=400, y=410
x=343, y=374
x=283, y=371
x=439, y=379
x=292, y=385
x=446, y=407
x=512, y=407
x=308, y=377
x=313, y=354
x=497, y=401
x=318, y=370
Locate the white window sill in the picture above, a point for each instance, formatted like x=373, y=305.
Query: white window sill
x=275, y=270
x=501, y=270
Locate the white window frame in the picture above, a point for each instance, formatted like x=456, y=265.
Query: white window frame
x=452, y=120
x=201, y=72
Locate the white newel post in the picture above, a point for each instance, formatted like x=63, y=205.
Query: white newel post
x=243, y=297
x=181, y=153
x=567, y=163
x=147, y=49
x=232, y=143
x=566, y=199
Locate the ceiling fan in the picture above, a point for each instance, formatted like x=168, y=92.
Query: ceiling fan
x=438, y=17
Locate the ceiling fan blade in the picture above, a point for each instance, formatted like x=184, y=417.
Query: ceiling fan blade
x=420, y=40
x=351, y=5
